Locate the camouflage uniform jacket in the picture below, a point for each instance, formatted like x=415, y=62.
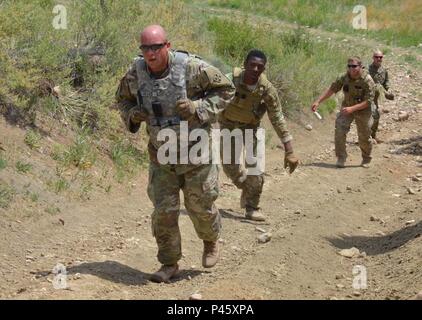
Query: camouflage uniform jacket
x=203, y=83
x=355, y=90
x=249, y=106
x=380, y=75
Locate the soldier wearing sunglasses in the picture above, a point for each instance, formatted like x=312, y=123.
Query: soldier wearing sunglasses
x=163, y=87
x=359, y=90
x=380, y=76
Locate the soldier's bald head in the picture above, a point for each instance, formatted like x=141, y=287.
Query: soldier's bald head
x=377, y=52
x=153, y=34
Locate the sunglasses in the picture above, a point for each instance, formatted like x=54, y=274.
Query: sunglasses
x=152, y=47
x=353, y=66
x=378, y=57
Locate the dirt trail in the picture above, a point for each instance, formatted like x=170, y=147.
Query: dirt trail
x=108, y=250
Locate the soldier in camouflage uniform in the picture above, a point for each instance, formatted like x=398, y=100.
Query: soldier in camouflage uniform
x=380, y=76
x=359, y=90
x=255, y=95
x=163, y=87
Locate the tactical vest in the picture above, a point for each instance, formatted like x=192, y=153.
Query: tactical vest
x=378, y=75
x=158, y=96
x=246, y=106
x=353, y=90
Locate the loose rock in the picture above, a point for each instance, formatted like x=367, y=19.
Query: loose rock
x=403, y=116
x=349, y=253
x=308, y=127
x=265, y=237
x=195, y=296
x=410, y=190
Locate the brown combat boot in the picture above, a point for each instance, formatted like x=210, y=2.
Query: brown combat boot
x=211, y=254
x=254, y=214
x=165, y=273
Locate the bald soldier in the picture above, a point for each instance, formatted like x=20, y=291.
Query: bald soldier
x=255, y=95
x=359, y=90
x=163, y=88
x=380, y=76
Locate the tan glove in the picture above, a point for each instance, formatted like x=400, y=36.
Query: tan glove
x=186, y=109
x=389, y=95
x=291, y=161
x=136, y=116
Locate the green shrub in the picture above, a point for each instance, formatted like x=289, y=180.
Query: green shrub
x=6, y=195
x=32, y=139
x=23, y=167
x=3, y=163
x=127, y=158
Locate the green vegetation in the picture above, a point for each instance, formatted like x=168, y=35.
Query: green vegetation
x=69, y=76
x=396, y=22
x=52, y=210
x=59, y=184
x=3, y=163
x=6, y=195
x=23, y=167
x=299, y=66
x=32, y=139
x=127, y=158
x=81, y=154
x=33, y=196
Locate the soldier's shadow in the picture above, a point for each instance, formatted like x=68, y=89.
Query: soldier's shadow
x=230, y=214
x=329, y=165
x=379, y=244
x=119, y=273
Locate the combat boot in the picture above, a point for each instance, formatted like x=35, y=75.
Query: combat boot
x=211, y=254
x=165, y=273
x=366, y=162
x=340, y=162
x=254, y=214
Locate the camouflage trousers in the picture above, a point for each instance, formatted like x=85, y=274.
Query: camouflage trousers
x=251, y=185
x=363, y=119
x=200, y=190
x=376, y=118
